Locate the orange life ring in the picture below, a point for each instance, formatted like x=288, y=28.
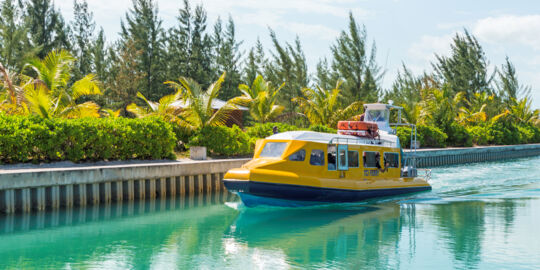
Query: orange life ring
x=358, y=125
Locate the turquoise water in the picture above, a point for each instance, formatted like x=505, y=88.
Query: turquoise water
x=478, y=216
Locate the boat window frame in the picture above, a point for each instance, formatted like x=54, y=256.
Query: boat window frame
x=398, y=159
x=323, y=157
x=335, y=158
x=364, y=162
x=276, y=142
x=357, y=158
x=303, y=157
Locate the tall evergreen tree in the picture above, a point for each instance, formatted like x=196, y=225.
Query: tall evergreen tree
x=323, y=75
x=227, y=57
x=508, y=86
x=124, y=74
x=254, y=64
x=99, y=55
x=288, y=66
x=189, y=47
x=355, y=64
x=46, y=26
x=14, y=46
x=465, y=70
x=143, y=27
x=406, y=88
x=83, y=27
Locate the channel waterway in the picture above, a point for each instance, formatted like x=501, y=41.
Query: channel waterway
x=478, y=216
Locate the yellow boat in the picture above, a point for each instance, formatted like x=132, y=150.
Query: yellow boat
x=302, y=167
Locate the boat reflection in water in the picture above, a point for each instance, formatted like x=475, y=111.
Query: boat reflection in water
x=325, y=236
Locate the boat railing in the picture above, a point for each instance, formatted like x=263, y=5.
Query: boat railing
x=427, y=174
x=362, y=141
x=409, y=162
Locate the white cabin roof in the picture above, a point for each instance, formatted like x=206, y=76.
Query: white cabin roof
x=321, y=137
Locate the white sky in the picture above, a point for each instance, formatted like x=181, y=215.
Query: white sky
x=405, y=31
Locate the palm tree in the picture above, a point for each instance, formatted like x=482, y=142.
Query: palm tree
x=261, y=98
x=11, y=94
x=164, y=108
x=522, y=112
x=198, y=111
x=439, y=108
x=323, y=107
x=50, y=95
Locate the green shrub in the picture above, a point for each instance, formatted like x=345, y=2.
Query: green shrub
x=431, y=136
x=265, y=130
x=526, y=133
x=35, y=139
x=503, y=132
x=224, y=141
x=404, y=135
x=322, y=128
x=479, y=135
x=458, y=135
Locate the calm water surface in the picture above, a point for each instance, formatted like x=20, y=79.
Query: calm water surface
x=478, y=216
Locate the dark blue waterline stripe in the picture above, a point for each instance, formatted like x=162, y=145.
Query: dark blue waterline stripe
x=318, y=194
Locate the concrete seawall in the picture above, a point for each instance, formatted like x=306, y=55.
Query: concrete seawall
x=25, y=190
x=449, y=156
x=38, y=189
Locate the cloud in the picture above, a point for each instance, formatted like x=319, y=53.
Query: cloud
x=428, y=46
x=510, y=30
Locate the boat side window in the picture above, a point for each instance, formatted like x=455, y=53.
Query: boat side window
x=391, y=160
x=317, y=157
x=299, y=155
x=370, y=159
x=353, y=159
x=273, y=149
x=331, y=157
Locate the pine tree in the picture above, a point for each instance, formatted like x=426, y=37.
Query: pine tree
x=83, y=27
x=227, y=57
x=99, y=55
x=288, y=66
x=189, y=47
x=143, y=27
x=254, y=64
x=508, y=86
x=14, y=46
x=46, y=26
x=124, y=75
x=323, y=77
x=465, y=70
x=355, y=64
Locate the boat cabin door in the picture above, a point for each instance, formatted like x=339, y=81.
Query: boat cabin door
x=342, y=157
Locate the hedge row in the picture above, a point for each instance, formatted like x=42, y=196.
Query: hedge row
x=35, y=139
x=496, y=133
x=233, y=141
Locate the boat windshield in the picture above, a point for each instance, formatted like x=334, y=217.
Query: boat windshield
x=273, y=149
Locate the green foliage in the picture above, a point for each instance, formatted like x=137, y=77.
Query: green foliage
x=404, y=134
x=354, y=62
x=324, y=107
x=431, y=136
x=322, y=128
x=36, y=139
x=480, y=135
x=458, y=135
x=288, y=65
x=142, y=26
x=266, y=129
x=221, y=140
x=261, y=98
x=503, y=132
